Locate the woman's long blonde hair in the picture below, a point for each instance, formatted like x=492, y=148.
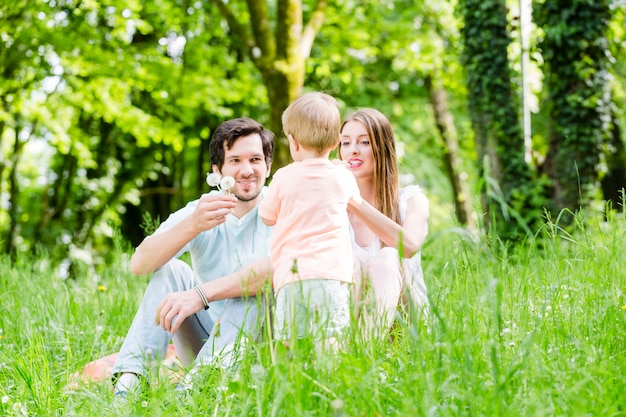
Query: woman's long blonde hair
x=383, y=143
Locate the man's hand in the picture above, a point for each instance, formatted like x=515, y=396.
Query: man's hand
x=175, y=308
x=158, y=249
x=212, y=210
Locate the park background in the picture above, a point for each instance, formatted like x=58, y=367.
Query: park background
x=510, y=115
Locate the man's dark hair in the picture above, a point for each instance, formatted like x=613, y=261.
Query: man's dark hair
x=228, y=132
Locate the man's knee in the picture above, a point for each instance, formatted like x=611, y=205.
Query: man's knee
x=174, y=267
x=175, y=275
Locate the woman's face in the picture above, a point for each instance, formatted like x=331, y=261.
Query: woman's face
x=356, y=150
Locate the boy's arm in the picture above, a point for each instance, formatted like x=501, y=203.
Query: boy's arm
x=268, y=222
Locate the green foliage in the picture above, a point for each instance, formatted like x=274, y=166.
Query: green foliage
x=122, y=104
x=149, y=224
x=537, y=328
x=111, y=105
x=576, y=52
x=106, y=107
x=490, y=95
x=387, y=49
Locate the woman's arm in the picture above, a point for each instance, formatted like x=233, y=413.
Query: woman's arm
x=413, y=231
x=180, y=305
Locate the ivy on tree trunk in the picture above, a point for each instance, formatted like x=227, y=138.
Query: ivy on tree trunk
x=576, y=55
x=493, y=109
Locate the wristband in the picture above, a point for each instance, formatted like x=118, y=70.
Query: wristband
x=202, y=297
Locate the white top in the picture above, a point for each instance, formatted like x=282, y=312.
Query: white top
x=412, y=267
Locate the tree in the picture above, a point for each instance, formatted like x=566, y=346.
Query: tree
x=493, y=109
x=121, y=105
x=576, y=54
x=280, y=53
x=401, y=58
x=24, y=68
x=614, y=180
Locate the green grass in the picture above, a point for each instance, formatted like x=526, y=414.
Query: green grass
x=537, y=329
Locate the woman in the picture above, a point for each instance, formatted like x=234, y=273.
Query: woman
x=368, y=146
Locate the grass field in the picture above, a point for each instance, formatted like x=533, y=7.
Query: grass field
x=537, y=329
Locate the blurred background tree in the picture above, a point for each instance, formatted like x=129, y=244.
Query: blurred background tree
x=106, y=107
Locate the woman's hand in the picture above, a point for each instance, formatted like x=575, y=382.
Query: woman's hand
x=341, y=163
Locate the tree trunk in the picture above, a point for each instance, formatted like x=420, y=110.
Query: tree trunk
x=9, y=243
x=508, y=191
x=614, y=182
x=575, y=50
x=281, y=91
x=445, y=125
x=279, y=55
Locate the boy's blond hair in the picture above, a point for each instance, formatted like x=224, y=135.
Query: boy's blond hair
x=313, y=119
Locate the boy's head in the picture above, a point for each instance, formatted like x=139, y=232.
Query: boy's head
x=313, y=119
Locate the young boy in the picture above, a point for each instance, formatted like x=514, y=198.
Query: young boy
x=310, y=243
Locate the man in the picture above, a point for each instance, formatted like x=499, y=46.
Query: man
x=222, y=232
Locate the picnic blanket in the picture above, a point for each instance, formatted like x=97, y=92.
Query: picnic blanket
x=101, y=369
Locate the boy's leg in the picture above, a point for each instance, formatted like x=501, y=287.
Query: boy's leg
x=329, y=309
x=317, y=308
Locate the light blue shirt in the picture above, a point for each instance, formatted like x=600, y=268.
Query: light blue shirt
x=225, y=248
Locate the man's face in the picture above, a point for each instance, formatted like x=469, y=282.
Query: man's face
x=245, y=162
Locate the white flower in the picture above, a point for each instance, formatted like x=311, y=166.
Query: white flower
x=336, y=404
x=223, y=184
x=5, y=399
x=227, y=183
x=213, y=179
x=258, y=373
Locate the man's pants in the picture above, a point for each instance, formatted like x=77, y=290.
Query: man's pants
x=199, y=338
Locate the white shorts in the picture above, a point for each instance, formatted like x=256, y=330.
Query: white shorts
x=318, y=308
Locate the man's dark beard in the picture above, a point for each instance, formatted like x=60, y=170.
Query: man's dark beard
x=246, y=199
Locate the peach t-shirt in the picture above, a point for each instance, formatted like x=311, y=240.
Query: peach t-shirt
x=308, y=200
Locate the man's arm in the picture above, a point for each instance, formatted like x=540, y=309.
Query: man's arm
x=247, y=281
x=158, y=249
